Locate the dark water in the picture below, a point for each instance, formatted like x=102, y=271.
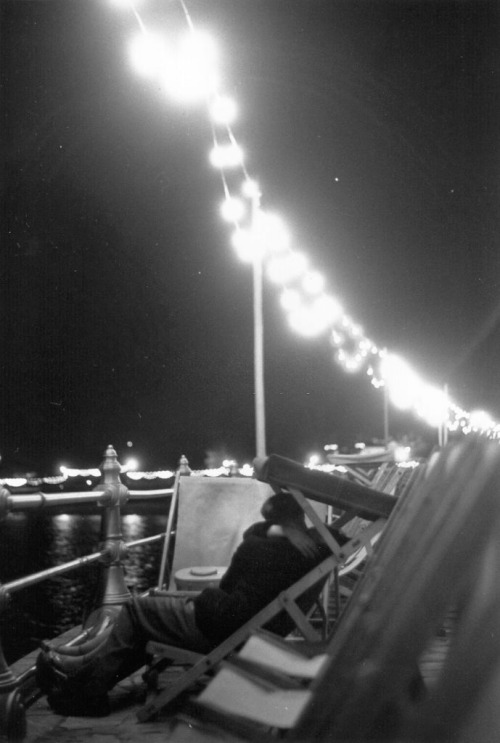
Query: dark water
x=34, y=542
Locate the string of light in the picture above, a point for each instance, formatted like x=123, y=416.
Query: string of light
x=229, y=468
x=186, y=68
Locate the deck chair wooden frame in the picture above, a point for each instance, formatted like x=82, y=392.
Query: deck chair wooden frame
x=352, y=497
x=440, y=548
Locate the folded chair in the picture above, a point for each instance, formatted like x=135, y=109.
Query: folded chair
x=440, y=549
x=348, y=498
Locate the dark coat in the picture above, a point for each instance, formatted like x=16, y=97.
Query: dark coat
x=260, y=569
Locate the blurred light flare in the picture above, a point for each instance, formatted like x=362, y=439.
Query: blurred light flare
x=149, y=54
x=329, y=307
x=313, y=460
x=226, y=156
x=403, y=385
x=402, y=453
x=187, y=84
x=290, y=299
x=251, y=189
x=284, y=269
x=232, y=209
x=313, y=282
x=223, y=110
x=130, y=465
x=272, y=232
x=480, y=420
x=193, y=75
x=432, y=405
x=245, y=245
x=312, y=319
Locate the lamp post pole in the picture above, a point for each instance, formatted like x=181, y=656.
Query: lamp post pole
x=258, y=324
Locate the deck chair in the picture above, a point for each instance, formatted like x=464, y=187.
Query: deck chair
x=206, y=521
x=297, y=600
x=207, y=518
x=440, y=549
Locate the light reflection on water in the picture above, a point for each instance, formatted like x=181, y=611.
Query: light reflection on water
x=34, y=542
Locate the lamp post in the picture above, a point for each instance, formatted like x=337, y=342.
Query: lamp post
x=258, y=326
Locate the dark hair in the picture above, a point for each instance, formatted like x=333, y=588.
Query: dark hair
x=282, y=507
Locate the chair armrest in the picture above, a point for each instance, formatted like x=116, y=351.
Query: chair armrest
x=178, y=655
x=175, y=594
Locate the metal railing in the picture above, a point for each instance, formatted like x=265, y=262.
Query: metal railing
x=110, y=495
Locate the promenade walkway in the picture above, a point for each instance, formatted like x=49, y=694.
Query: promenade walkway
x=126, y=698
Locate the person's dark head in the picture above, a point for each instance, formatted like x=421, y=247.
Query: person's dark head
x=282, y=508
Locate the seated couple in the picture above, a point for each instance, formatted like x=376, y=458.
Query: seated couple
x=273, y=555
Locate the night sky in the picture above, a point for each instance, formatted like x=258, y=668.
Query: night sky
x=372, y=128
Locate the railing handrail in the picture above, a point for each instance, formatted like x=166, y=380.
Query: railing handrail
x=80, y=562
x=12, y=503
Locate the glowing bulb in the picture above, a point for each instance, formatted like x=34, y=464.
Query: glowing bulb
x=232, y=209
x=402, y=453
x=301, y=321
x=311, y=320
x=480, y=420
x=245, y=245
x=352, y=363
x=130, y=464
x=337, y=338
x=313, y=282
x=191, y=76
x=290, y=300
x=272, y=232
x=287, y=268
x=328, y=308
x=226, y=156
x=199, y=47
x=403, y=384
x=432, y=405
x=251, y=189
x=148, y=54
x=223, y=110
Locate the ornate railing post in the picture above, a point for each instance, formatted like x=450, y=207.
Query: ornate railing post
x=113, y=590
x=12, y=710
x=184, y=468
